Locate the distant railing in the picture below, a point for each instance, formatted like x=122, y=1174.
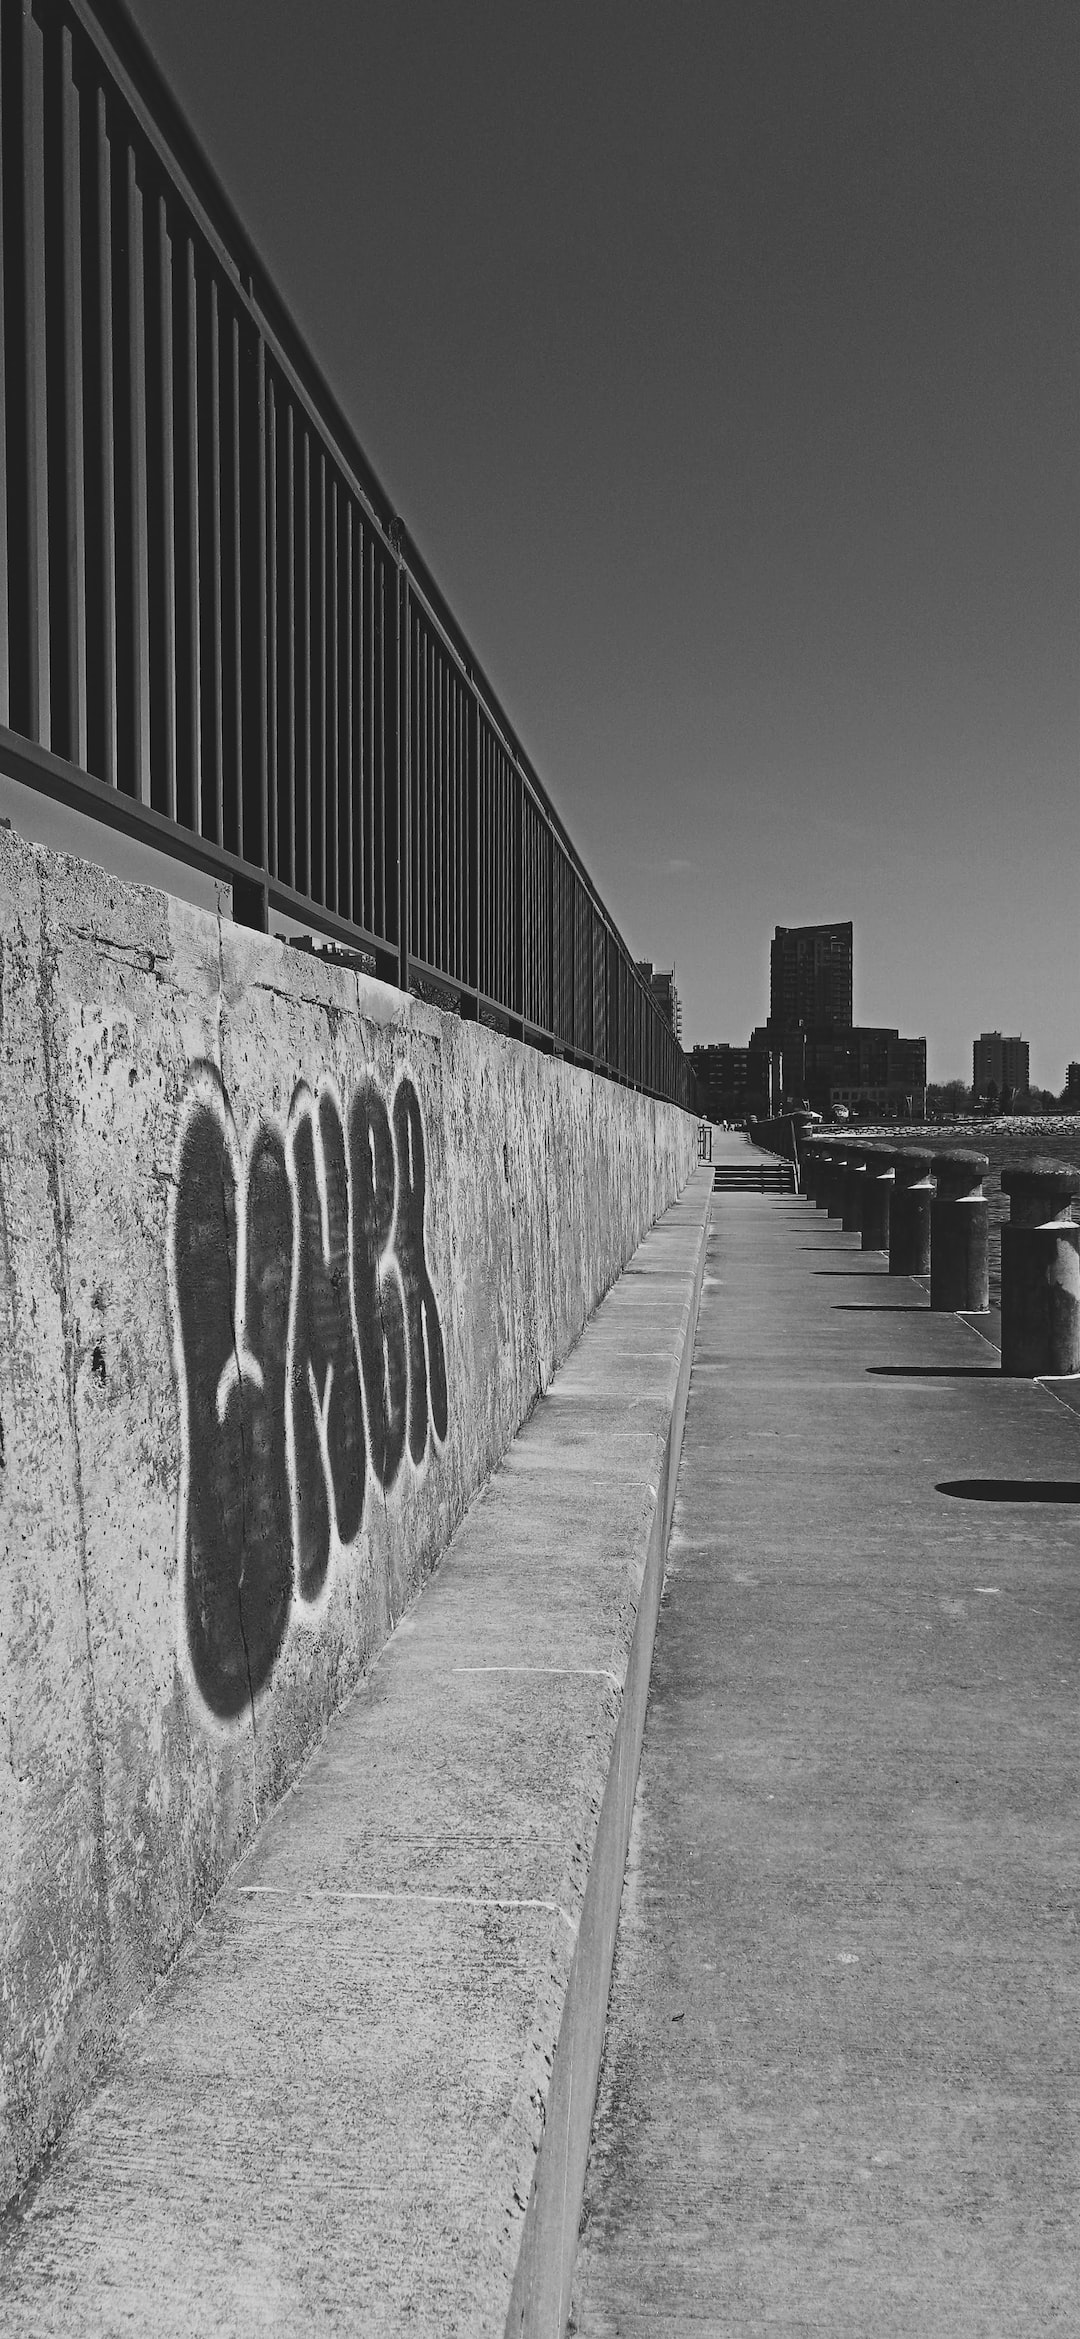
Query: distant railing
x=214, y=631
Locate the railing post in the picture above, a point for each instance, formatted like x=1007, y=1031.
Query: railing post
x=909, y=1215
x=402, y=767
x=1040, y=1270
x=877, y=1200
x=959, y=1221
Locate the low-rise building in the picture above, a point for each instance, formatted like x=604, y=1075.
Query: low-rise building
x=866, y=1068
x=732, y=1082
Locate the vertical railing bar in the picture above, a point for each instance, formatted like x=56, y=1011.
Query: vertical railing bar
x=290, y=648
x=320, y=760
x=461, y=857
x=508, y=875
x=438, y=809
x=37, y=582
x=451, y=829
x=501, y=880
x=425, y=662
x=168, y=509
x=403, y=751
x=304, y=662
x=263, y=660
x=438, y=805
x=193, y=680
x=423, y=800
x=5, y=354
x=438, y=799
x=330, y=668
x=378, y=829
x=236, y=620
x=417, y=675
x=493, y=905
x=498, y=903
x=73, y=418
x=217, y=720
x=455, y=822
x=361, y=864
x=140, y=581
x=374, y=805
x=271, y=621
x=349, y=910
x=488, y=875
x=421, y=682
x=449, y=881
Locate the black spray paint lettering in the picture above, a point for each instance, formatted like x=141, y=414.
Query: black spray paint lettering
x=309, y=1351
x=326, y=1424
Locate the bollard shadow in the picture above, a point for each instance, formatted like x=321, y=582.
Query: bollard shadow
x=1066, y=1490
x=881, y=1307
x=848, y=1271
x=937, y=1372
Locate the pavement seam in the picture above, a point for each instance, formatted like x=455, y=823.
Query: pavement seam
x=442, y=1900
x=564, y=1672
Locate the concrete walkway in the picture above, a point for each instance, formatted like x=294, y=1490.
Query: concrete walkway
x=841, y=2088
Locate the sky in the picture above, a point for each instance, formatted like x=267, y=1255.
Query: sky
x=722, y=359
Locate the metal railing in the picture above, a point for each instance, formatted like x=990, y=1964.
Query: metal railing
x=214, y=631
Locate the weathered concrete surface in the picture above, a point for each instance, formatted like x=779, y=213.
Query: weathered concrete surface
x=286, y=1259
x=328, y=2117
x=841, y=2088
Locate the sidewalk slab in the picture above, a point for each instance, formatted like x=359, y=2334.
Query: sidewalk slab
x=336, y=2114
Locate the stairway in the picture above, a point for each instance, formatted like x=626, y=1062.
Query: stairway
x=759, y=1174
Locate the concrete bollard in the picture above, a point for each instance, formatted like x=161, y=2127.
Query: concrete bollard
x=909, y=1213
x=817, y=1156
x=854, y=1181
x=877, y=1196
x=808, y=1168
x=824, y=1173
x=959, y=1233
x=1040, y=1270
x=837, y=1175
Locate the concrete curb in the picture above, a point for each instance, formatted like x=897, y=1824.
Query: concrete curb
x=540, y=2300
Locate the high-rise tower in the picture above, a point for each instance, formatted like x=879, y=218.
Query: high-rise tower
x=810, y=978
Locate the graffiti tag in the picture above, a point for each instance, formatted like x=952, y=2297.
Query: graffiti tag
x=309, y=1351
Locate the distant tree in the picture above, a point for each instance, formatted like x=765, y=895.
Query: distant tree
x=945, y=1098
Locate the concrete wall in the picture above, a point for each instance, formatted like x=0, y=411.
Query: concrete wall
x=285, y=1259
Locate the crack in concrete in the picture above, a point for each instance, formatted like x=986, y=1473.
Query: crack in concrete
x=233, y=1307
x=51, y=1159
